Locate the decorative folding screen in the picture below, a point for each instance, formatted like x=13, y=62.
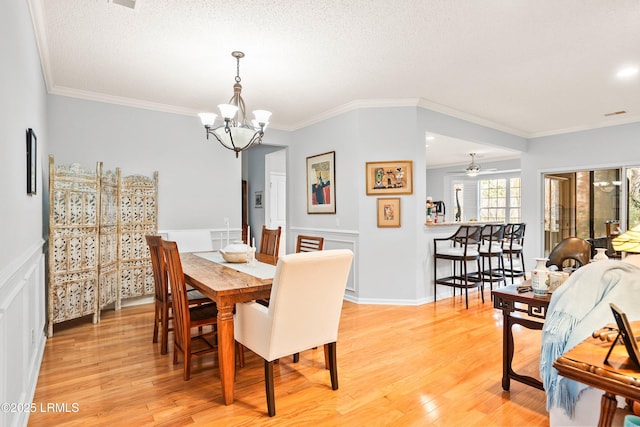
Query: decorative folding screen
x=108, y=232
x=138, y=217
x=73, y=243
x=97, y=251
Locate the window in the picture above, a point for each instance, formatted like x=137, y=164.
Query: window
x=514, y=199
x=500, y=199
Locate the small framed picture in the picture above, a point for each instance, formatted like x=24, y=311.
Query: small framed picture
x=389, y=212
x=321, y=183
x=258, y=199
x=395, y=177
x=32, y=162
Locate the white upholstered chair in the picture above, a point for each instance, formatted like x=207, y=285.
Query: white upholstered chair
x=303, y=312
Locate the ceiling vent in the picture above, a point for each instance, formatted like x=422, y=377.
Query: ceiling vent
x=131, y=4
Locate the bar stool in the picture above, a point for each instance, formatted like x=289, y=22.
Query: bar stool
x=491, y=261
x=462, y=248
x=513, y=246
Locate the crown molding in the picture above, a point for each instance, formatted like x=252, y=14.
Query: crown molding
x=119, y=100
x=617, y=122
x=39, y=29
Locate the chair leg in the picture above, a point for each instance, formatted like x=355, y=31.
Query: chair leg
x=187, y=368
x=240, y=353
x=155, y=324
x=268, y=381
x=326, y=356
x=481, y=276
x=164, y=340
x=435, y=277
x=511, y=268
x=333, y=365
x=466, y=282
x=187, y=363
x=296, y=357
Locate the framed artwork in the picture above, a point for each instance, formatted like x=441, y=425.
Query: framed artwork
x=394, y=177
x=258, y=199
x=389, y=212
x=321, y=183
x=32, y=162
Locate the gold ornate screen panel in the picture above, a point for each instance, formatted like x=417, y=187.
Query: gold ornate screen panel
x=108, y=268
x=73, y=243
x=138, y=217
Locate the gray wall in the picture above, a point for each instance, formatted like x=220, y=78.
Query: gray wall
x=199, y=181
x=22, y=106
x=614, y=146
x=22, y=309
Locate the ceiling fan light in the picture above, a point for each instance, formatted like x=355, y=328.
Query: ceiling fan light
x=472, y=171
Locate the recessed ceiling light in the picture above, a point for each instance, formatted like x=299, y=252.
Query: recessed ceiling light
x=627, y=72
x=430, y=138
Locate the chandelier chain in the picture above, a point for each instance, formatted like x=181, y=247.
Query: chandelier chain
x=238, y=70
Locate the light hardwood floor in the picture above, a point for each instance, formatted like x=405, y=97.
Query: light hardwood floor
x=436, y=364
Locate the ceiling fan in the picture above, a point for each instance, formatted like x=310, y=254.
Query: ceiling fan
x=474, y=169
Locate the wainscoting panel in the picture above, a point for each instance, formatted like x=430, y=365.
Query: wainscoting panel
x=218, y=236
x=22, y=334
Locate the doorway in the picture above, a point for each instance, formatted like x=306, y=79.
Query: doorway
x=275, y=193
x=580, y=204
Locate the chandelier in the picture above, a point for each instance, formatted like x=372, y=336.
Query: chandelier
x=235, y=133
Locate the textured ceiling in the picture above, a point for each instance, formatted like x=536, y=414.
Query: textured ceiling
x=529, y=67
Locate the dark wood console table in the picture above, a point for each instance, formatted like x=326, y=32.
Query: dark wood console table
x=509, y=300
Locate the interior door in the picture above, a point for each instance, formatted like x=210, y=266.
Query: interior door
x=558, y=209
x=277, y=216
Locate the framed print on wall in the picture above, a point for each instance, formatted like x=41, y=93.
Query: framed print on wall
x=394, y=177
x=258, y=199
x=321, y=183
x=389, y=212
x=32, y=162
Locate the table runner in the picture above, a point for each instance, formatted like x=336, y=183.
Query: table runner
x=257, y=269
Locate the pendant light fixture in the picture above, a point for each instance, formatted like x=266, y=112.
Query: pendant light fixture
x=473, y=169
x=235, y=133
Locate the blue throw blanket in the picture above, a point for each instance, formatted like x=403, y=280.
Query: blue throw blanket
x=577, y=308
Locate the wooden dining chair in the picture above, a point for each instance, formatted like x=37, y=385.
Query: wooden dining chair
x=187, y=317
x=270, y=241
x=163, y=297
x=309, y=243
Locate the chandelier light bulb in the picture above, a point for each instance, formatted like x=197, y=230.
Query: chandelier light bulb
x=262, y=116
x=228, y=111
x=208, y=119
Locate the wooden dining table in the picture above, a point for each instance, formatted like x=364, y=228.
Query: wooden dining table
x=226, y=286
